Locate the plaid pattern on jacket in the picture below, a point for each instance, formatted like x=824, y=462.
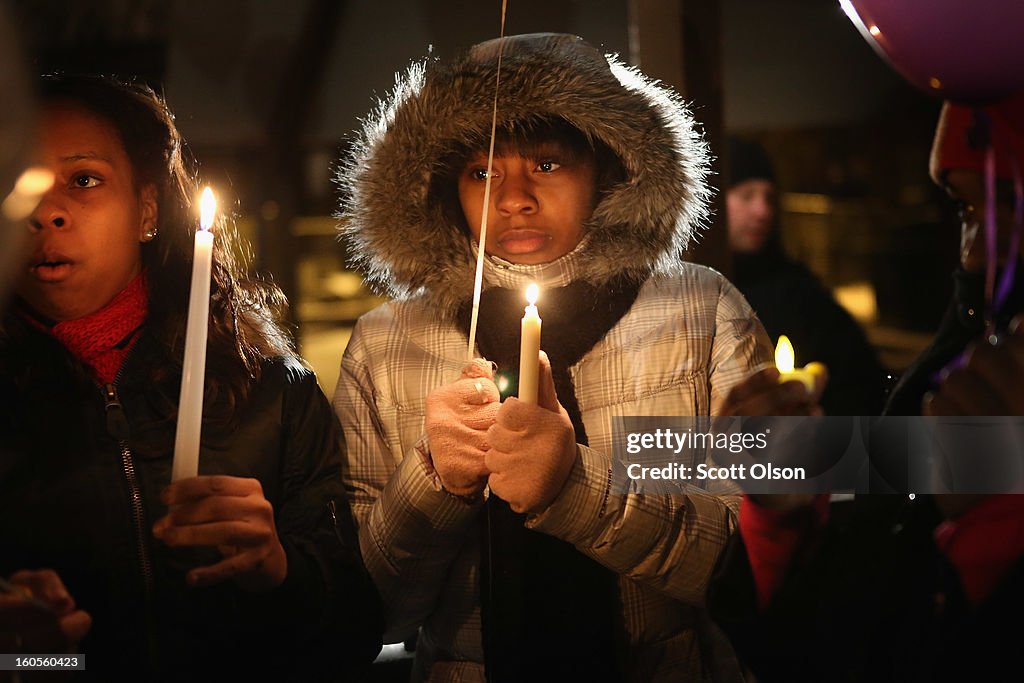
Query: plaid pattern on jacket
x=685, y=342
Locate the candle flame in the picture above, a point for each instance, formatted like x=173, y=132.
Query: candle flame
x=531, y=293
x=28, y=190
x=784, y=356
x=207, y=208
x=35, y=180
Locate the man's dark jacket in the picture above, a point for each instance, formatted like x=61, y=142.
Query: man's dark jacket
x=790, y=300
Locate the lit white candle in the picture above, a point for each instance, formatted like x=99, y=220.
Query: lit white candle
x=785, y=359
x=529, y=349
x=190, y=402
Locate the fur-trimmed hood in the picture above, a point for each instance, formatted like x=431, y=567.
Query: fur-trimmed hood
x=397, y=228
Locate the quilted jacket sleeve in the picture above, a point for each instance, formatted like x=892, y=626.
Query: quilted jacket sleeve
x=668, y=541
x=410, y=529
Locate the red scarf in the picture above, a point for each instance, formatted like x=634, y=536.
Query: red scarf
x=101, y=340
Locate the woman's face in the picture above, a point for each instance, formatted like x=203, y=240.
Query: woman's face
x=538, y=203
x=86, y=231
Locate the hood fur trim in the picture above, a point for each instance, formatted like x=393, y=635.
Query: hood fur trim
x=399, y=233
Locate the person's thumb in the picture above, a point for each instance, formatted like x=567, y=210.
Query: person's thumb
x=546, y=395
x=76, y=625
x=478, y=368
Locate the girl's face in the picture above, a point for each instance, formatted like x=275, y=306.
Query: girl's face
x=538, y=203
x=86, y=231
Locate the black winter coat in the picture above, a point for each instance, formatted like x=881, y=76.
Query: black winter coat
x=789, y=300
x=80, y=476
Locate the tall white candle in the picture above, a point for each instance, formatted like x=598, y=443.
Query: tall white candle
x=529, y=349
x=190, y=402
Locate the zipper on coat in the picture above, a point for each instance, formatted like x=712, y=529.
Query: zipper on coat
x=117, y=426
x=333, y=509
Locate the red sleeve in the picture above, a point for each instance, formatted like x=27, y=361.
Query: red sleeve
x=983, y=543
x=772, y=538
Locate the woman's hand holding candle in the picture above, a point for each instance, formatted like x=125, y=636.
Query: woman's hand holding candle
x=532, y=448
x=781, y=390
x=232, y=514
x=458, y=416
x=767, y=393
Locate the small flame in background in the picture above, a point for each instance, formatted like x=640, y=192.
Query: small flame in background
x=784, y=356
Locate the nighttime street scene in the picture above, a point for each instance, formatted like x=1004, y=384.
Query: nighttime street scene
x=500, y=341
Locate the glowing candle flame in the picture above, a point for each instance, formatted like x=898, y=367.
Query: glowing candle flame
x=28, y=190
x=207, y=208
x=35, y=180
x=784, y=355
x=531, y=294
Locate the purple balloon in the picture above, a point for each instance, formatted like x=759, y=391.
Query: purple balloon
x=969, y=51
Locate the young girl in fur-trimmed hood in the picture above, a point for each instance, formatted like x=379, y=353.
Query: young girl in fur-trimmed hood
x=493, y=525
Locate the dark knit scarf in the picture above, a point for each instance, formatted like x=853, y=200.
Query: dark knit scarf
x=101, y=340
x=549, y=612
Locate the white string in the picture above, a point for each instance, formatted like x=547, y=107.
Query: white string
x=482, y=242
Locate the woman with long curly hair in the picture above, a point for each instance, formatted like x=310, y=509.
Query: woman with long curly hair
x=253, y=564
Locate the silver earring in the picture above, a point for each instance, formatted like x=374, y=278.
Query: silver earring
x=149, y=234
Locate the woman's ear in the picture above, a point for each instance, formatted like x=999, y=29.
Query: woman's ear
x=149, y=213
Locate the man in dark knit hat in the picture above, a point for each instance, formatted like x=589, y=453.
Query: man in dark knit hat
x=787, y=297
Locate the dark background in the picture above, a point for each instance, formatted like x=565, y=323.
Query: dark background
x=267, y=92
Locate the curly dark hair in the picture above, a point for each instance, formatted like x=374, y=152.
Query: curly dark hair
x=245, y=313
